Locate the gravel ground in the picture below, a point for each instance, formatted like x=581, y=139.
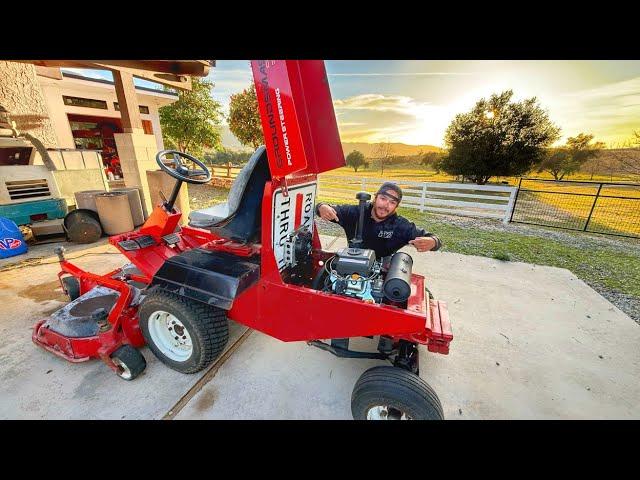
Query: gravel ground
x=203, y=196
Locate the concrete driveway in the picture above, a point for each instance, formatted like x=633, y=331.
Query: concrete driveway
x=529, y=342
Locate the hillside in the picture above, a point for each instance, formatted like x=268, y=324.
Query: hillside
x=369, y=149
x=230, y=142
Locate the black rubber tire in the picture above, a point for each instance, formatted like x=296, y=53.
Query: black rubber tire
x=208, y=328
x=134, y=362
x=71, y=287
x=398, y=388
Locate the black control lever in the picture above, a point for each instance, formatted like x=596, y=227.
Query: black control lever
x=363, y=198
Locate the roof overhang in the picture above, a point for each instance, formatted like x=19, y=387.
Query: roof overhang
x=95, y=85
x=173, y=73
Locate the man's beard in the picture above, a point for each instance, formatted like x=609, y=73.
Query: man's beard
x=381, y=213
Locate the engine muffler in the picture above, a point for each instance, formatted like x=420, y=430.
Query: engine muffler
x=397, y=283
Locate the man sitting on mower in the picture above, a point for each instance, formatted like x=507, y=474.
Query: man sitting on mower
x=384, y=230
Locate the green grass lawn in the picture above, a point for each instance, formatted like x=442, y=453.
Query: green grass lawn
x=601, y=265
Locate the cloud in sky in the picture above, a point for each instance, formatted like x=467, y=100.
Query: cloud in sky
x=377, y=102
x=611, y=111
x=229, y=80
x=396, y=118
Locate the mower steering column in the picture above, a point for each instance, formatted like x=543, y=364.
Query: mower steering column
x=174, y=196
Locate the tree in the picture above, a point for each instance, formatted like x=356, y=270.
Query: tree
x=628, y=155
x=191, y=123
x=383, y=152
x=569, y=158
x=356, y=160
x=244, y=117
x=498, y=137
x=225, y=156
x=430, y=159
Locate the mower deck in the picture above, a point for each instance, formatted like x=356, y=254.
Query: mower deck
x=75, y=319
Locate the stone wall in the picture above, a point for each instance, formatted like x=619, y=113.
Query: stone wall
x=21, y=95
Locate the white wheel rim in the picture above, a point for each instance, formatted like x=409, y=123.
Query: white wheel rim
x=170, y=336
x=385, y=412
x=124, y=372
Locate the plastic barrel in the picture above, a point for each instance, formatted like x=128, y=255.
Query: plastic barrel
x=114, y=212
x=82, y=226
x=11, y=240
x=87, y=199
x=134, y=203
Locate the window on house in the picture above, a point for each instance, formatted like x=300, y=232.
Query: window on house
x=86, y=135
x=84, y=102
x=141, y=108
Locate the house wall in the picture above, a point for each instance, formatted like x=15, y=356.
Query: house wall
x=53, y=91
x=21, y=95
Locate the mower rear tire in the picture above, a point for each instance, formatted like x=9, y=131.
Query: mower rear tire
x=392, y=393
x=71, y=287
x=129, y=361
x=185, y=335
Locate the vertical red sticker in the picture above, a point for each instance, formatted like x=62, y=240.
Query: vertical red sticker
x=298, y=219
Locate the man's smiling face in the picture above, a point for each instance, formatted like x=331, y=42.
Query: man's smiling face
x=385, y=204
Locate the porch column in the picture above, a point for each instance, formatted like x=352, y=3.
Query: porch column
x=136, y=150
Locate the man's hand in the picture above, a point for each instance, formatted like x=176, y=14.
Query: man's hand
x=327, y=212
x=423, y=244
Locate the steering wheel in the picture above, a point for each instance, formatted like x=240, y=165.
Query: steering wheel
x=179, y=171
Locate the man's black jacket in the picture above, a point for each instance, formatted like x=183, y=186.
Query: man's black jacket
x=385, y=237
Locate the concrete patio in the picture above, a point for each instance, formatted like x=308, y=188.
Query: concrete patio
x=530, y=342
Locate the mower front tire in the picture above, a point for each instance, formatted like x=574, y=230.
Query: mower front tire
x=129, y=361
x=185, y=335
x=392, y=393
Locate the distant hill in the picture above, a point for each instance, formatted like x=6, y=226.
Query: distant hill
x=230, y=142
x=369, y=149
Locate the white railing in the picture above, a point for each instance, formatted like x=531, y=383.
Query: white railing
x=493, y=201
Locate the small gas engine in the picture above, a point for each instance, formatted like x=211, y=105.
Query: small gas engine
x=355, y=272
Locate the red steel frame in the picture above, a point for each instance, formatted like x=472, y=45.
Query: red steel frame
x=284, y=311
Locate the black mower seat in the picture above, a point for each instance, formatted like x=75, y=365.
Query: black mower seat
x=239, y=218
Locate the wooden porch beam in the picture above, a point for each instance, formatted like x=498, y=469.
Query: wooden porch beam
x=49, y=72
x=193, y=68
x=126, y=94
x=181, y=82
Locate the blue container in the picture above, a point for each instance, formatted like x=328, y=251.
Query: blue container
x=11, y=240
x=28, y=212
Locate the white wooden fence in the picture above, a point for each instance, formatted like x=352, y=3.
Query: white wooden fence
x=494, y=201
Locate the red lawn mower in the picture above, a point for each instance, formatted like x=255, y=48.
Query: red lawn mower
x=258, y=261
